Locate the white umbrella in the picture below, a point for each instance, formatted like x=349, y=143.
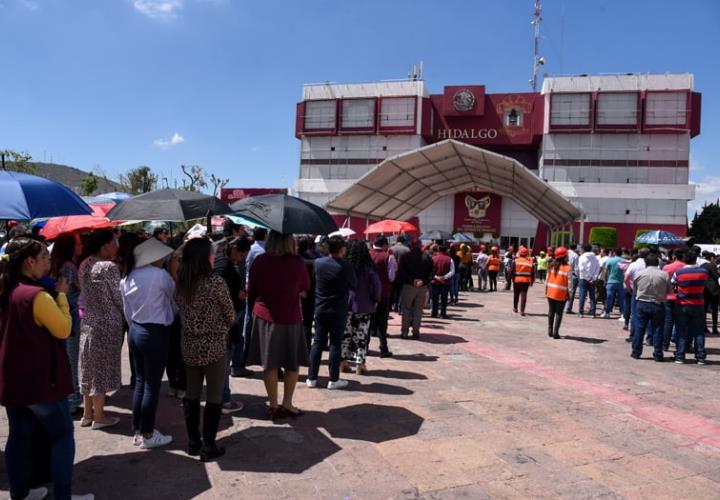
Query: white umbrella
x=345, y=232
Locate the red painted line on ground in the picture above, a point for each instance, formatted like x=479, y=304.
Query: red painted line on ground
x=701, y=429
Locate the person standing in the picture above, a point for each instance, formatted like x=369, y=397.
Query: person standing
x=522, y=273
x=35, y=376
x=588, y=271
x=712, y=289
x=614, y=282
x=493, y=267
x=362, y=305
x=257, y=248
x=386, y=268
x=399, y=250
x=481, y=262
x=466, y=260
x=334, y=277
x=278, y=338
x=67, y=248
x=689, y=284
x=444, y=270
x=455, y=281
x=101, y=329
x=573, y=258
x=308, y=254
x=149, y=307
x=669, y=331
x=542, y=266
x=632, y=270
x=206, y=314
x=556, y=290
x=507, y=266
x=415, y=272
x=651, y=287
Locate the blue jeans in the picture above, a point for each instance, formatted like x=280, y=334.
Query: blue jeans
x=150, y=345
x=690, y=324
x=587, y=288
x=332, y=326
x=55, y=419
x=653, y=315
x=455, y=287
x=669, y=329
x=613, y=293
x=72, y=347
x=571, y=295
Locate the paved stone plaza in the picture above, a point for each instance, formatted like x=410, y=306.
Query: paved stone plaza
x=483, y=406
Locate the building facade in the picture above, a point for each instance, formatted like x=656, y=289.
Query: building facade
x=617, y=146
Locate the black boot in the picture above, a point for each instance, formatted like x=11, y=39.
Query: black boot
x=211, y=420
x=191, y=408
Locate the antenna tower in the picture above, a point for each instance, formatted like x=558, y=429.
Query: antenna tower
x=537, y=59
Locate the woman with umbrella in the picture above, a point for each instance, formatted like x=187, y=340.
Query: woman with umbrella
x=278, y=336
x=101, y=328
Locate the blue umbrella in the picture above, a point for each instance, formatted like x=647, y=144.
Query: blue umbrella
x=26, y=197
x=659, y=238
x=462, y=238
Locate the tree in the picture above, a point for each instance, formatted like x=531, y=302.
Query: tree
x=139, y=180
x=218, y=183
x=705, y=226
x=196, y=178
x=18, y=161
x=89, y=184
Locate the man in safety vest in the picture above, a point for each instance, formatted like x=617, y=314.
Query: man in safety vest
x=493, y=268
x=556, y=290
x=523, y=276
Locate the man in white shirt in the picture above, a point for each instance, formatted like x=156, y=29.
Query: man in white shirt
x=588, y=272
x=572, y=262
x=633, y=270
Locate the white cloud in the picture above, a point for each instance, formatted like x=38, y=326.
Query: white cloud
x=158, y=9
x=707, y=191
x=174, y=140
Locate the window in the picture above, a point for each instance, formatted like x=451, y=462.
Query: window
x=513, y=117
x=617, y=108
x=319, y=115
x=666, y=108
x=570, y=110
x=358, y=113
x=397, y=112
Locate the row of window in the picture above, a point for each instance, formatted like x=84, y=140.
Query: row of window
x=621, y=109
x=359, y=114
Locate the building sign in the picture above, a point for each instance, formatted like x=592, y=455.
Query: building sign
x=231, y=195
x=464, y=133
x=477, y=212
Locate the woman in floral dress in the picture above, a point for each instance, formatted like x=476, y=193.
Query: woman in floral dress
x=101, y=329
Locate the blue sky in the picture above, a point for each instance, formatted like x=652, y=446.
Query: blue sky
x=112, y=84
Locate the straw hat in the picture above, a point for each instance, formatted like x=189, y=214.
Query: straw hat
x=149, y=251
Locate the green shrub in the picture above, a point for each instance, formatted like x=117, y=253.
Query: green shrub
x=560, y=238
x=604, y=237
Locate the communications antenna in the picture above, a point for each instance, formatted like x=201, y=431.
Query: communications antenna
x=538, y=60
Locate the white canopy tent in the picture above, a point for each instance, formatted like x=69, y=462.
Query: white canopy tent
x=402, y=186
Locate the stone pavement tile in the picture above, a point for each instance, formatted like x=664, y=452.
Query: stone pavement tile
x=587, y=489
x=442, y=427
x=463, y=452
x=655, y=468
x=696, y=488
x=582, y=452
x=405, y=446
x=470, y=492
x=429, y=472
x=614, y=474
x=298, y=488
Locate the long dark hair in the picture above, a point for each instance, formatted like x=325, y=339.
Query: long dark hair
x=194, y=266
x=126, y=251
x=557, y=262
x=63, y=251
x=11, y=264
x=359, y=256
x=98, y=239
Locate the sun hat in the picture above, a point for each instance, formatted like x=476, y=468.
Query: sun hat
x=150, y=251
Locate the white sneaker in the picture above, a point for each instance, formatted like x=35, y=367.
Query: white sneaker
x=36, y=494
x=311, y=383
x=108, y=423
x=155, y=441
x=621, y=318
x=606, y=316
x=87, y=496
x=137, y=440
x=231, y=407
x=338, y=384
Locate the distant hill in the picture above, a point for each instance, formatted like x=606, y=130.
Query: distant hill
x=72, y=177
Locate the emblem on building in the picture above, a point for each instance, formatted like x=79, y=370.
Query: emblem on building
x=477, y=208
x=513, y=109
x=463, y=100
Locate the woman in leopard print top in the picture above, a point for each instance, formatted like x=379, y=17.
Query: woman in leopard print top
x=206, y=313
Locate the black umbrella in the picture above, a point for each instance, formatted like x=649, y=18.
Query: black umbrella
x=285, y=214
x=168, y=205
x=436, y=234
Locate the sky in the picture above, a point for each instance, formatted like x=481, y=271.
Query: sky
x=107, y=85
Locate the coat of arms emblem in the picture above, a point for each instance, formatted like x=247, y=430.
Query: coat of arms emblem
x=463, y=100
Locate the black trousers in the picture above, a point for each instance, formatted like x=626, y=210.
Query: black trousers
x=520, y=291
x=492, y=275
x=555, y=314
x=713, y=301
x=439, y=295
x=379, y=323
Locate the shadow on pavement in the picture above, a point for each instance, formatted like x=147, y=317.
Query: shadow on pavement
x=441, y=338
x=378, y=388
x=399, y=374
x=142, y=474
x=415, y=357
x=374, y=423
x=586, y=340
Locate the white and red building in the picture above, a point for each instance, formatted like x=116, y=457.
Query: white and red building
x=616, y=146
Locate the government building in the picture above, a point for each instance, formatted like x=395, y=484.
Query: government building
x=586, y=151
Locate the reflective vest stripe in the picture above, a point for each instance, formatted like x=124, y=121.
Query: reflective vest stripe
x=557, y=283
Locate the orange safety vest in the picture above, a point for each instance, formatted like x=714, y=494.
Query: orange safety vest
x=493, y=264
x=523, y=270
x=556, y=286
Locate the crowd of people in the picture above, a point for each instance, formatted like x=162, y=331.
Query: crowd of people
x=204, y=308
